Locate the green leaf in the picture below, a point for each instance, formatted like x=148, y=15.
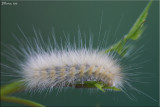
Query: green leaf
x=99, y=86
x=112, y=88
x=134, y=34
x=139, y=24
x=95, y=84
x=11, y=88
x=21, y=101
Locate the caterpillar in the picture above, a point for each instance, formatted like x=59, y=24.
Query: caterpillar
x=63, y=66
x=69, y=66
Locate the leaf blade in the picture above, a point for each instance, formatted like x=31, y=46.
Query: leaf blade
x=134, y=34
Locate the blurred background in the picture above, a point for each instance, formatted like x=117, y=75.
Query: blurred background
x=113, y=17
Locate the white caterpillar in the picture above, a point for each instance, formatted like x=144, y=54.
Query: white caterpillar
x=71, y=66
x=67, y=65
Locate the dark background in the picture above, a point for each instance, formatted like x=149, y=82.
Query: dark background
x=67, y=16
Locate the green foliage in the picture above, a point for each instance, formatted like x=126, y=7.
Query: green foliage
x=134, y=34
x=96, y=84
x=103, y=86
x=11, y=88
x=21, y=101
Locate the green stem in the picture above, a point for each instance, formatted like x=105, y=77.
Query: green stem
x=11, y=88
x=21, y=101
x=15, y=87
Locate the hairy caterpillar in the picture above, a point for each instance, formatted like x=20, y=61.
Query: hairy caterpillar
x=44, y=54
x=62, y=66
x=68, y=66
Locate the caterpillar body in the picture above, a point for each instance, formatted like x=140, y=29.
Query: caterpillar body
x=69, y=67
x=46, y=64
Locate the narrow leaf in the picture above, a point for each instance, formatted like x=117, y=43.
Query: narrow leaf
x=99, y=86
x=11, y=88
x=134, y=34
x=21, y=101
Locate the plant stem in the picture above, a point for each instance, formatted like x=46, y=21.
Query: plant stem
x=21, y=101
